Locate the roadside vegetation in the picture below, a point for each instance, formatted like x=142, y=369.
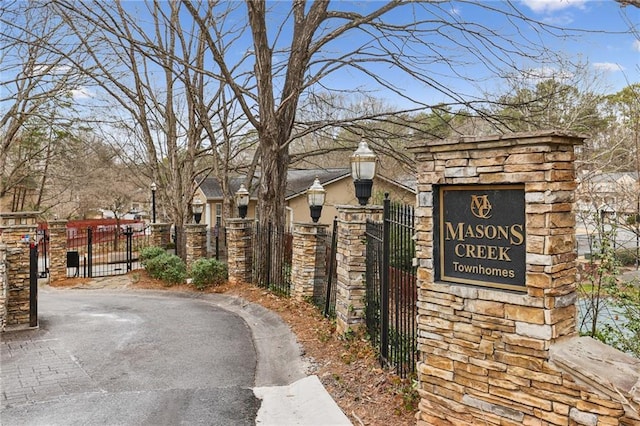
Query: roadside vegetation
x=172, y=270
x=609, y=305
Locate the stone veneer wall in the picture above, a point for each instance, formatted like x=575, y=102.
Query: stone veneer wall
x=18, y=231
x=239, y=250
x=308, y=264
x=196, y=247
x=485, y=353
x=18, y=288
x=160, y=234
x=57, y=250
x=351, y=266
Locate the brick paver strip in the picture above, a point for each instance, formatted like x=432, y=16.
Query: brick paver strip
x=36, y=370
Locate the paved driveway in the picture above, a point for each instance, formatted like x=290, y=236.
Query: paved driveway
x=109, y=357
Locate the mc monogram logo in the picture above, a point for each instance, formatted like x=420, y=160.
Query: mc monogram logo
x=480, y=206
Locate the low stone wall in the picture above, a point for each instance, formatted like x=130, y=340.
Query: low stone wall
x=613, y=375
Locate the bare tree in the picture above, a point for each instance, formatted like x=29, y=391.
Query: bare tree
x=155, y=73
x=36, y=94
x=295, y=53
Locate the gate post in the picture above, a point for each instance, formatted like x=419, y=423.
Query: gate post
x=160, y=234
x=239, y=250
x=57, y=250
x=351, y=265
x=196, y=242
x=308, y=258
x=18, y=231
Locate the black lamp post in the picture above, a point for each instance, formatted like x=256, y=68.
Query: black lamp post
x=363, y=170
x=315, y=197
x=197, y=207
x=242, y=201
x=154, y=187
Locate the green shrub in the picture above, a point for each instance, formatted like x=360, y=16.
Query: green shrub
x=168, y=268
x=626, y=257
x=208, y=272
x=149, y=253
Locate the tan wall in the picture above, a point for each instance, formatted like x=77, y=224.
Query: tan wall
x=342, y=193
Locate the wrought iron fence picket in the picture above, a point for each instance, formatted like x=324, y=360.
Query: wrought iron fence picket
x=391, y=287
x=272, y=256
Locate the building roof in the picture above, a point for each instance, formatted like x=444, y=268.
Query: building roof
x=298, y=181
x=212, y=189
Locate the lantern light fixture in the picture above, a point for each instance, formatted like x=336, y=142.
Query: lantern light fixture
x=363, y=170
x=242, y=201
x=316, y=196
x=197, y=206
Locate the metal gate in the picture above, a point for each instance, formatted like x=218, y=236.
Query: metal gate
x=324, y=292
x=104, y=250
x=391, y=289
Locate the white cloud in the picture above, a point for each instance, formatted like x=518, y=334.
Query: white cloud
x=82, y=93
x=547, y=6
x=636, y=45
x=45, y=69
x=537, y=75
x=608, y=66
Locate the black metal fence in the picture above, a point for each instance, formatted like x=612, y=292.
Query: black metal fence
x=104, y=250
x=391, y=290
x=272, y=256
x=42, y=236
x=324, y=293
x=217, y=243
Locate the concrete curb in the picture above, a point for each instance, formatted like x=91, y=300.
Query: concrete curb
x=305, y=402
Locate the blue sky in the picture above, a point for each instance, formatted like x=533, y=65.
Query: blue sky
x=598, y=35
x=610, y=47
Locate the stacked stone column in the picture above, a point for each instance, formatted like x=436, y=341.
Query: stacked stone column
x=239, y=250
x=18, y=232
x=485, y=352
x=196, y=247
x=160, y=234
x=57, y=250
x=351, y=265
x=308, y=268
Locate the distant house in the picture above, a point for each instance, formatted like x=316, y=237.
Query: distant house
x=609, y=193
x=211, y=191
x=337, y=183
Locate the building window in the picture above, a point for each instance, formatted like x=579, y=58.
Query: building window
x=218, y=214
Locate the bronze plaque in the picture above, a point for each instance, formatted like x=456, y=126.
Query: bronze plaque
x=482, y=235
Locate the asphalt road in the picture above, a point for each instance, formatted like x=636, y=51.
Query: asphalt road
x=102, y=357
